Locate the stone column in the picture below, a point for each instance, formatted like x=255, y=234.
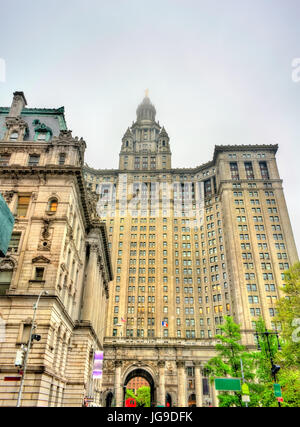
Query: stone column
x=214, y=395
x=198, y=384
x=181, y=379
x=118, y=386
x=161, y=398
x=89, y=295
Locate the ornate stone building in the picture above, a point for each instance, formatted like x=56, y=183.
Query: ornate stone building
x=189, y=246
x=59, y=245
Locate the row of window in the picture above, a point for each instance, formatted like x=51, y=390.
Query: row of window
x=249, y=170
x=33, y=159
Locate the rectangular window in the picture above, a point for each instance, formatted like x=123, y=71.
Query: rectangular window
x=234, y=171
x=22, y=207
x=62, y=159
x=5, y=279
x=4, y=159
x=39, y=273
x=249, y=170
x=264, y=170
x=33, y=160
x=14, y=242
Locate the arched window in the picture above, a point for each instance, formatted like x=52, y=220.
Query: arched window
x=52, y=205
x=14, y=136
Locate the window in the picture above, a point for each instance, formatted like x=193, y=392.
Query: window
x=249, y=170
x=14, y=136
x=42, y=136
x=62, y=159
x=234, y=171
x=264, y=170
x=5, y=279
x=22, y=207
x=33, y=160
x=52, y=205
x=4, y=159
x=39, y=273
x=14, y=242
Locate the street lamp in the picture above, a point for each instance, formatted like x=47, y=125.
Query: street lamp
x=274, y=368
x=31, y=338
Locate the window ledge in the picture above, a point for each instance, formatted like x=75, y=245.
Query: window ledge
x=38, y=281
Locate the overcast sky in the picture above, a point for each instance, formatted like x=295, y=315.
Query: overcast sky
x=218, y=72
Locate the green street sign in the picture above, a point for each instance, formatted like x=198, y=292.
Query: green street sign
x=245, y=389
x=228, y=384
x=277, y=390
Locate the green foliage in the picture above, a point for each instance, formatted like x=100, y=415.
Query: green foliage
x=142, y=397
x=257, y=365
x=288, y=313
x=289, y=318
x=228, y=362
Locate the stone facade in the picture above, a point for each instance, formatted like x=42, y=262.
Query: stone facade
x=189, y=246
x=59, y=245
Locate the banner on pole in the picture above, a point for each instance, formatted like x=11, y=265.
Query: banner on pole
x=98, y=365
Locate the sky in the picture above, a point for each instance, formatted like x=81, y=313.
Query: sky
x=218, y=72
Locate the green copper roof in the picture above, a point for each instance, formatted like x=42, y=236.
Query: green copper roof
x=7, y=221
x=52, y=118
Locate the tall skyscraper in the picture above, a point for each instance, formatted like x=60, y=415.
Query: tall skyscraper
x=189, y=246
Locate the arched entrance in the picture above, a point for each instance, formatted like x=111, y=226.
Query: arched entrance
x=142, y=373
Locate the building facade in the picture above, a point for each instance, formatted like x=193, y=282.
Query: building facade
x=59, y=245
x=189, y=246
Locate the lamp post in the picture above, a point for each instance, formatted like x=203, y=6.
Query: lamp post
x=33, y=326
x=274, y=368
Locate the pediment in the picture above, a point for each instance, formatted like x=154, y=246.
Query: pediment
x=41, y=260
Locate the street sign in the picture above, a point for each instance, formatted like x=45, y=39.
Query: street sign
x=245, y=389
x=277, y=390
x=228, y=384
x=245, y=398
x=280, y=399
x=12, y=378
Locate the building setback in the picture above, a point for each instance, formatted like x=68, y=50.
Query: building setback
x=58, y=245
x=189, y=246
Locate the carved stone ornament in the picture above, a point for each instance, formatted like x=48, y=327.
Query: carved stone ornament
x=8, y=195
x=7, y=264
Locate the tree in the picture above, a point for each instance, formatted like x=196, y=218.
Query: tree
x=288, y=378
x=144, y=396
x=289, y=318
x=228, y=363
x=268, y=349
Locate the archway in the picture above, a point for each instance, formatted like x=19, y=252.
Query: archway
x=142, y=373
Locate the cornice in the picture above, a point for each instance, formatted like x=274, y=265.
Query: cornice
x=218, y=149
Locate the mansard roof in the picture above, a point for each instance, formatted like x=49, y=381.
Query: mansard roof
x=52, y=118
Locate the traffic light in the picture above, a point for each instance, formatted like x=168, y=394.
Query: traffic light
x=35, y=337
x=275, y=369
